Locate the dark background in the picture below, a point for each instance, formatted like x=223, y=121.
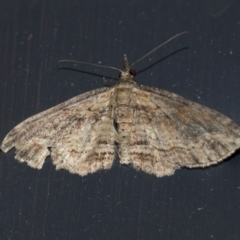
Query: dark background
x=120, y=203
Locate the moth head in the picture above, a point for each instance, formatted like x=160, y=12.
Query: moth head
x=127, y=74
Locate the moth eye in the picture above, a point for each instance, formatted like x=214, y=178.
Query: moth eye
x=120, y=74
x=132, y=72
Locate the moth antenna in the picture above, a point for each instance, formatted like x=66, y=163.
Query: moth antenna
x=127, y=67
x=162, y=44
x=87, y=63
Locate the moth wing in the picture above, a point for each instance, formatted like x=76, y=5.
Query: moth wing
x=78, y=134
x=172, y=132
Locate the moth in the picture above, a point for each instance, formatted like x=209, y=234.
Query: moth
x=149, y=128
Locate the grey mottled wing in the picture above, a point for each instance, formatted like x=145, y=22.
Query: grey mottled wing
x=172, y=132
x=75, y=133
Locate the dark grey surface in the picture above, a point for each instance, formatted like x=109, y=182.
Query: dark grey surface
x=120, y=203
